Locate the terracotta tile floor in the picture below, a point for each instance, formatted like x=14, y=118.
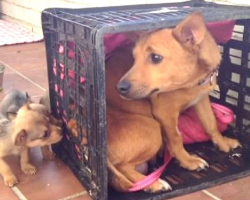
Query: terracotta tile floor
x=27, y=71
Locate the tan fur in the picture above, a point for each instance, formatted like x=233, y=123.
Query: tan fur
x=30, y=128
x=134, y=135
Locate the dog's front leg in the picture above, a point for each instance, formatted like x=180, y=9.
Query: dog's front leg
x=205, y=113
x=9, y=178
x=167, y=115
x=26, y=166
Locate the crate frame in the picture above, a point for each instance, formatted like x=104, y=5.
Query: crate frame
x=96, y=75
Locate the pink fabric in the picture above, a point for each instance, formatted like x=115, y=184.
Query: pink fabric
x=112, y=41
x=221, y=31
x=191, y=129
x=151, y=178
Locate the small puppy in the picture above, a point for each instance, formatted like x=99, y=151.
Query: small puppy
x=30, y=128
x=15, y=99
x=11, y=103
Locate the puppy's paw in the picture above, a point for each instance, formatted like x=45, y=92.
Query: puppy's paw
x=49, y=155
x=29, y=169
x=158, y=186
x=10, y=180
x=227, y=144
x=193, y=162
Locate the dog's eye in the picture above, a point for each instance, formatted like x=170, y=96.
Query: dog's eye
x=46, y=134
x=155, y=58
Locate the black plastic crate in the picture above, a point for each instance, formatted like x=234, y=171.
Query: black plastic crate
x=79, y=82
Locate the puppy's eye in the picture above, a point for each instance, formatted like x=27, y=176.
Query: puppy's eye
x=155, y=58
x=46, y=134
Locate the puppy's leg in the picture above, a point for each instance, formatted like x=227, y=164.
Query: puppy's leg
x=47, y=153
x=167, y=115
x=134, y=176
x=205, y=113
x=9, y=178
x=26, y=166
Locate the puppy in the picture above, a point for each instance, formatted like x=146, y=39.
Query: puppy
x=176, y=69
x=134, y=136
x=30, y=128
x=11, y=103
x=15, y=99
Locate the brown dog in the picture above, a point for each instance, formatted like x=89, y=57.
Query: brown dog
x=172, y=70
x=134, y=137
x=30, y=128
x=176, y=69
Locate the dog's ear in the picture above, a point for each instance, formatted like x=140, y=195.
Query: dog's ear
x=27, y=104
x=27, y=95
x=21, y=138
x=192, y=29
x=11, y=115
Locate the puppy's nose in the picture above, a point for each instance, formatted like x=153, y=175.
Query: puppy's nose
x=123, y=87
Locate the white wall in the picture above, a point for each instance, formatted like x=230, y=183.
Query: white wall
x=28, y=12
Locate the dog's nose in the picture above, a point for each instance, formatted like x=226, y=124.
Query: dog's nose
x=123, y=87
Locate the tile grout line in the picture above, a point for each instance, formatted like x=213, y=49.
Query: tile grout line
x=75, y=195
x=19, y=51
x=18, y=193
x=211, y=195
x=20, y=74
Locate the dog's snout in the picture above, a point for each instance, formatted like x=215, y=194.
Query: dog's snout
x=123, y=87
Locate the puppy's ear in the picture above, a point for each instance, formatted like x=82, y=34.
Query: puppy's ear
x=192, y=29
x=21, y=138
x=11, y=115
x=27, y=104
x=27, y=95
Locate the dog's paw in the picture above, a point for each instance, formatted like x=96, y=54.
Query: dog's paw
x=10, y=180
x=227, y=144
x=49, y=155
x=29, y=169
x=158, y=186
x=194, y=163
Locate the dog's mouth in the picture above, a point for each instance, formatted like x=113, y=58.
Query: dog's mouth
x=154, y=91
x=137, y=96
